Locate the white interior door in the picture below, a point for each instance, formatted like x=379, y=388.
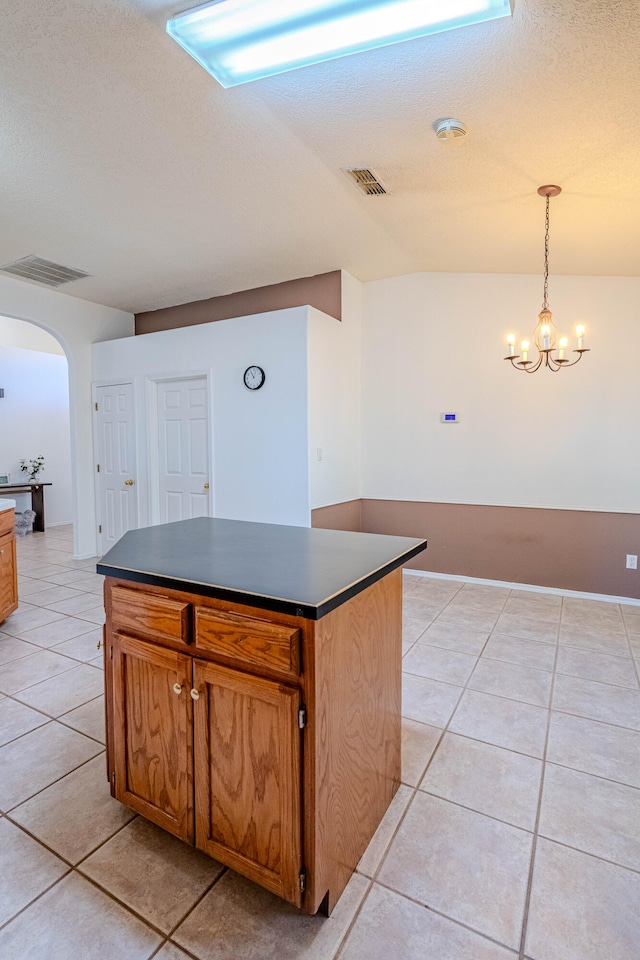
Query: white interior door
x=183, y=449
x=116, y=476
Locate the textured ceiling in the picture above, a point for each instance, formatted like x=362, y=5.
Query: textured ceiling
x=120, y=156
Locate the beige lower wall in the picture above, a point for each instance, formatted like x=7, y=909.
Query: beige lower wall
x=339, y=516
x=566, y=549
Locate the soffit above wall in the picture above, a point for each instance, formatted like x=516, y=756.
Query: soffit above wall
x=127, y=160
x=323, y=292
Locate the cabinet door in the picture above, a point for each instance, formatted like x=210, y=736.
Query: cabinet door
x=8, y=576
x=152, y=710
x=247, y=762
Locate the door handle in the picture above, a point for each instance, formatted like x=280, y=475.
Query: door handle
x=206, y=486
x=129, y=483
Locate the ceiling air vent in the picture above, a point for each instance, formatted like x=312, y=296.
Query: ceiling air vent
x=365, y=180
x=42, y=271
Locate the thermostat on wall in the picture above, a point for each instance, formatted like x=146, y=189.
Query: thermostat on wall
x=449, y=418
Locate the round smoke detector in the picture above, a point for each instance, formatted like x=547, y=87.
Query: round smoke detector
x=450, y=129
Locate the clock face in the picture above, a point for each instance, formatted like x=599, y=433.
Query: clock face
x=254, y=378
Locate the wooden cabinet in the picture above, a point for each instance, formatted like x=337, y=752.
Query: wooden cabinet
x=8, y=565
x=247, y=761
x=269, y=741
x=152, y=743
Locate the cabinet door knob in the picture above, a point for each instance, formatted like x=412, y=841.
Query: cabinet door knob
x=129, y=483
x=206, y=486
x=195, y=694
x=177, y=689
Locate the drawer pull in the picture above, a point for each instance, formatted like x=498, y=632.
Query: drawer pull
x=177, y=689
x=195, y=694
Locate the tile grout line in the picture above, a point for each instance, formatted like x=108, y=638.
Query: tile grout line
x=27, y=906
x=588, y=853
x=597, y=776
x=534, y=844
x=351, y=925
x=633, y=659
x=120, y=903
x=415, y=789
x=75, y=868
x=56, y=853
x=449, y=918
x=535, y=832
x=214, y=882
x=433, y=753
x=48, y=718
x=57, y=779
x=608, y=723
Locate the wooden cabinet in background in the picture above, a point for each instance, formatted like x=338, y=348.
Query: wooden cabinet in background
x=8, y=565
x=270, y=741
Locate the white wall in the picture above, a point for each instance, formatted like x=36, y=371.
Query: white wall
x=76, y=324
x=34, y=420
x=259, y=438
x=334, y=389
x=434, y=343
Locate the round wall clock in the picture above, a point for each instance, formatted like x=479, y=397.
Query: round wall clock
x=254, y=378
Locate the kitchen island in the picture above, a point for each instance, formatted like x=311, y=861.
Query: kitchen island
x=252, y=678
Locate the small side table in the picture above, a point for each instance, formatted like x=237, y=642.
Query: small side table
x=37, y=499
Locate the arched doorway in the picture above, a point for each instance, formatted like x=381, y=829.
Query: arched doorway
x=35, y=416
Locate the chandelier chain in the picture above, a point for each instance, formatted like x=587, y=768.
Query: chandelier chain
x=545, y=299
x=545, y=333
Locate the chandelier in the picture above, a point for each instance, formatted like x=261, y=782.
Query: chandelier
x=545, y=336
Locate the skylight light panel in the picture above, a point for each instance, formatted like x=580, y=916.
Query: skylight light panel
x=241, y=40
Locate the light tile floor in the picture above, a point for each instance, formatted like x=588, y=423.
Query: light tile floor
x=515, y=832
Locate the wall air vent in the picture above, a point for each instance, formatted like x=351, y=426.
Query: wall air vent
x=42, y=271
x=365, y=180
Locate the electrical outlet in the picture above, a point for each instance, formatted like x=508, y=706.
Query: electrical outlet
x=632, y=561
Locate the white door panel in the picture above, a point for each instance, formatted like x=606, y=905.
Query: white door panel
x=183, y=450
x=117, y=500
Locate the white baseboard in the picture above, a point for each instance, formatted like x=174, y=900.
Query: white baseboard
x=532, y=588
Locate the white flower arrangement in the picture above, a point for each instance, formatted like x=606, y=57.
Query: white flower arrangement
x=32, y=467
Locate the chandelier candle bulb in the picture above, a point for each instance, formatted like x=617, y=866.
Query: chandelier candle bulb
x=563, y=347
x=546, y=333
x=525, y=351
x=580, y=336
x=511, y=340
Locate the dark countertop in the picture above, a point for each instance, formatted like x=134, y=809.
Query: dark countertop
x=303, y=571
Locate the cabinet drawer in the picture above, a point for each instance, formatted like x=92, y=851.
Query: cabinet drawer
x=7, y=521
x=150, y=615
x=247, y=640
